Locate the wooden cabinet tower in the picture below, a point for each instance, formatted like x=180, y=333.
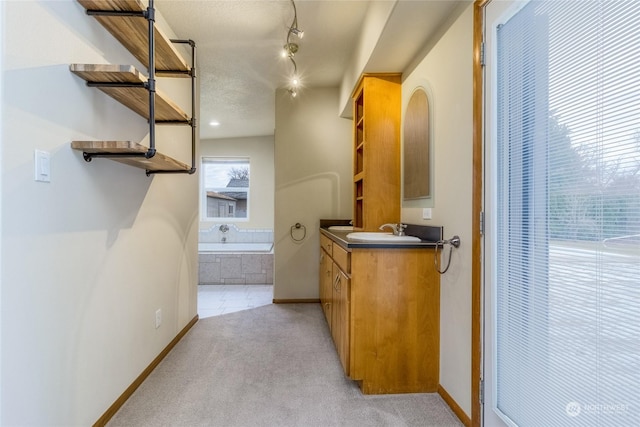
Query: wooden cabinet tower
x=376, y=157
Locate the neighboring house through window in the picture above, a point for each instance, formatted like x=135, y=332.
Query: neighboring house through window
x=225, y=188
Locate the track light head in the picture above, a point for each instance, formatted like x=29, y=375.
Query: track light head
x=289, y=49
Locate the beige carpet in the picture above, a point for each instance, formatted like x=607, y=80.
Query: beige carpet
x=270, y=366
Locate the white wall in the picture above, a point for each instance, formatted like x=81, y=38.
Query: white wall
x=260, y=151
x=89, y=257
x=313, y=181
x=447, y=72
x=372, y=27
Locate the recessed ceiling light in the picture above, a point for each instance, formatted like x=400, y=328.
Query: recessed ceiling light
x=214, y=123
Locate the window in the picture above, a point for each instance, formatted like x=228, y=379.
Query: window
x=225, y=188
x=567, y=214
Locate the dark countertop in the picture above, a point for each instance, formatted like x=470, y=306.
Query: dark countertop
x=428, y=237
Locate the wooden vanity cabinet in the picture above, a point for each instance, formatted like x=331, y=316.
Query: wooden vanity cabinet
x=384, y=315
x=376, y=145
x=335, y=290
x=395, y=320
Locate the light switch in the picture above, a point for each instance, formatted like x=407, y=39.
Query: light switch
x=42, y=166
x=426, y=213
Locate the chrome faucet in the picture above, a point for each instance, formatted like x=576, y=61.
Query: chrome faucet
x=398, y=229
x=224, y=228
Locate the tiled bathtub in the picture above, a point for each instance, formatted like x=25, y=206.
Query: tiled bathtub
x=229, y=255
x=235, y=263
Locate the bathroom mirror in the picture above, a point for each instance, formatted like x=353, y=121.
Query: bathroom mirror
x=417, y=142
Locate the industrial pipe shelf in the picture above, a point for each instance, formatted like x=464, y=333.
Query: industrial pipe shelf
x=122, y=19
x=133, y=25
x=126, y=85
x=132, y=154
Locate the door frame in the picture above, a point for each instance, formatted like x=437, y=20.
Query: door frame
x=477, y=210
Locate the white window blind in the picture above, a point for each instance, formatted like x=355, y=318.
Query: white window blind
x=568, y=214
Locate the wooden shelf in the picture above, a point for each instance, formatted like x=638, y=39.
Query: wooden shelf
x=131, y=88
x=133, y=33
x=376, y=155
x=136, y=98
x=159, y=162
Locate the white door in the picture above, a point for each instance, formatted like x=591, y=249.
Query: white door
x=561, y=337
x=496, y=12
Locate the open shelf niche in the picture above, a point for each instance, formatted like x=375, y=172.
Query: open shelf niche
x=134, y=26
x=376, y=150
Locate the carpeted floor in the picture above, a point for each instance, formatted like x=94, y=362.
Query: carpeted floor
x=269, y=366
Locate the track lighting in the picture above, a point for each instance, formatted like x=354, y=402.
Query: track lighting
x=290, y=49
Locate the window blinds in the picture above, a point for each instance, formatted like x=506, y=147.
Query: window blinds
x=568, y=214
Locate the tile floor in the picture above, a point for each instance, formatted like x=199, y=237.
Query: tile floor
x=214, y=300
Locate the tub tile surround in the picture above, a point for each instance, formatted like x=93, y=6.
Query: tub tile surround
x=235, y=234
x=235, y=268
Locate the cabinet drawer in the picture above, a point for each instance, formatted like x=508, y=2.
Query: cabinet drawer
x=342, y=258
x=326, y=244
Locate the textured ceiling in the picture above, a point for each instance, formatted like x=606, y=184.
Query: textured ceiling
x=239, y=42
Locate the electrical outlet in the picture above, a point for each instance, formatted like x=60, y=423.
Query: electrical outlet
x=426, y=213
x=158, y=318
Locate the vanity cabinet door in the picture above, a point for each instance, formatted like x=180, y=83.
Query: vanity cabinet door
x=340, y=325
x=326, y=285
x=395, y=315
x=335, y=296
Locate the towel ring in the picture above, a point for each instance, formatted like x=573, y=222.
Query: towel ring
x=298, y=226
x=454, y=242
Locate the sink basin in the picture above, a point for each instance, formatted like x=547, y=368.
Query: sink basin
x=341, y=228
x=364, y=236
